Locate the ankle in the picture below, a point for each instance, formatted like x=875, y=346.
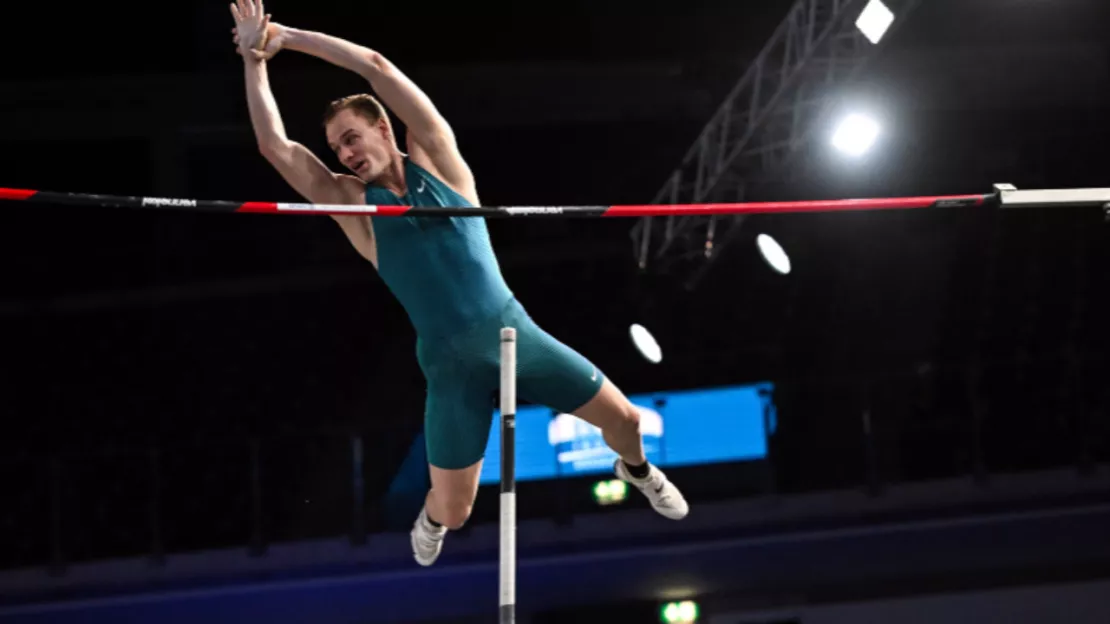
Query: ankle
x=429, y=524
x=637, y=471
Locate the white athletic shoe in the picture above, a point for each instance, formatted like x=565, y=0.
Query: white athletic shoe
x=660, y=492
x=427, y=540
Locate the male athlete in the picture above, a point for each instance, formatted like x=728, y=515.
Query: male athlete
x=442, y=270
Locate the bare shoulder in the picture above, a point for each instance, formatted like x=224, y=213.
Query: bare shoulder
x=448, y=165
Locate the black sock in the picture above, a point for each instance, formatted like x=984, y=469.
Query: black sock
x=638, y=472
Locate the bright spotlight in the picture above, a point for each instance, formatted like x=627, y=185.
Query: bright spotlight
x=646, y=343
x=611, y=492
x=685, y=612
x=773, y=253
x=855, y=135
x=874, y=21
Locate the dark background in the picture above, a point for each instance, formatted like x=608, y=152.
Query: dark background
x=140, y=342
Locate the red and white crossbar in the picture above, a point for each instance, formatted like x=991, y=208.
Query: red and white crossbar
x=1004, y=195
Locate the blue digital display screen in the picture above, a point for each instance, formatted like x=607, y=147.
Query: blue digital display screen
x=679, y=429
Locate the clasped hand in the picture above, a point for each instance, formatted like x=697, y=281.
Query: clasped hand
x=255, y=36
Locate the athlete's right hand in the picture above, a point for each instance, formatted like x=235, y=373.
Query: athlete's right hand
x=255, y=36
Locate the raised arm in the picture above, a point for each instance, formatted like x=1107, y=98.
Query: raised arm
x=426, y=127
x=411, y=105
x=306, y=173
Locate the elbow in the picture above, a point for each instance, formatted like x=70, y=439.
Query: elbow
x=373, y=64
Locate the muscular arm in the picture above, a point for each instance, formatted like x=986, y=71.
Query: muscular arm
x=300, y=167
x=426, y=126
x=296, y=163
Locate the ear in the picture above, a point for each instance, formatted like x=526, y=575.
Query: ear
x=383, y=127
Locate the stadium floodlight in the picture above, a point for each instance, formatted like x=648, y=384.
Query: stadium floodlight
x=645, y=343
x=874, y=21
x=855, y=135
x=773, y=253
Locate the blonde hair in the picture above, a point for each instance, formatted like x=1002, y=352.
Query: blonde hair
x=363, y=104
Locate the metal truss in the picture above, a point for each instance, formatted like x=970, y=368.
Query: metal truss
x=762, y=124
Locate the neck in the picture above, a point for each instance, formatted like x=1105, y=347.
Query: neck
x=393, y=178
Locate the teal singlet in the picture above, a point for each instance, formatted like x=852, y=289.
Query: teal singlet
x=441, y=269
x=444, y=273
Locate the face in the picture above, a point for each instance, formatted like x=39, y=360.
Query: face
x=361, y=146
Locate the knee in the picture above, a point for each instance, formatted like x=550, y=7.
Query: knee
x=452, y=512
x=626, y=420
